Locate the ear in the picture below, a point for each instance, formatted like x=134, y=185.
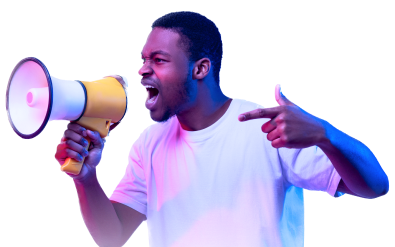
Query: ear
x=201, y=68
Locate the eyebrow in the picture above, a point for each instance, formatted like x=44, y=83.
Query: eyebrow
x=157, y=52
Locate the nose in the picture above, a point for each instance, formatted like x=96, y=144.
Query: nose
x=145, y=70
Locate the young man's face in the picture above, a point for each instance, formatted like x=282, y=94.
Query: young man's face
x=165, y=74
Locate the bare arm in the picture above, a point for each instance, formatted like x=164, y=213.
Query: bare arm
x=359, y=169
x=98, y=212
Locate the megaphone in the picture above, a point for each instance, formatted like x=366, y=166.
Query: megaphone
x=34, y=97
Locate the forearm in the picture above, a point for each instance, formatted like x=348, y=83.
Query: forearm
x=98, y=212
x=355, y=163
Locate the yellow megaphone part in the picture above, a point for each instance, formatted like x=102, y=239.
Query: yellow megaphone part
x=34, y=97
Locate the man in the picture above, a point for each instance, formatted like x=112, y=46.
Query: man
x=208, y=176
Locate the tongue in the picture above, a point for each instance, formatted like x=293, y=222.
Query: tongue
x=152, y=92
x=152, y=99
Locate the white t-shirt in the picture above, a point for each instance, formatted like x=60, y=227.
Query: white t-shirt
x=221, y=186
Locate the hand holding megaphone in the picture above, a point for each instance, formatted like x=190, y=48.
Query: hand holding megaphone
x=74, y=164
x=74, y=147
x=34, y=97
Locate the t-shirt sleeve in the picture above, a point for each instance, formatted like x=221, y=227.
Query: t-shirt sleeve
x=309, y=168
x=132, y=190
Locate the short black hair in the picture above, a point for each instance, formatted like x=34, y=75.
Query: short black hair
x=199, y=34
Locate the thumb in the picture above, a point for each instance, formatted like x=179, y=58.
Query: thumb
x=280, y=98
x=96, y=139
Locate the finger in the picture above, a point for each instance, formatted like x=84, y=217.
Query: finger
x=76, y=147
x=73, y=136
x=77, y=129
x=278, y=143
x=280, y=98
x=273, y=135
x=95, y=139
x=268, y=126
x=61, y=146
x=277, y=94
x=62, y=153
x=260, y=113
x=74, y=155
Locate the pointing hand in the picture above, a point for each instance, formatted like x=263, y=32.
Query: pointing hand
x=289, y=125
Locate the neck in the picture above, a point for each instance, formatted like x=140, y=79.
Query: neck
x=205, y=112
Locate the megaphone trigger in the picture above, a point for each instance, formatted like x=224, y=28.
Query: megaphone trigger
x=73, y=166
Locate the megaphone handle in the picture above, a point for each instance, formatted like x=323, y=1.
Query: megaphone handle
x=73, y=166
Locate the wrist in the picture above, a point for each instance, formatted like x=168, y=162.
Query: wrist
x=86, y=177
x=325, y=139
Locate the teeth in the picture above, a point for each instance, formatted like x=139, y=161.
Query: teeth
x=148, y=86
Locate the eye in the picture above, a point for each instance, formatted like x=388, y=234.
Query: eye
x=158, y=60
x=144, y=60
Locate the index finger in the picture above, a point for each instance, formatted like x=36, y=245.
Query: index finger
x=259, y=113
x=77, y=129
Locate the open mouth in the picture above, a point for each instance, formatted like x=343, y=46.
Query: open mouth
x=152, y=94
x=152, y=97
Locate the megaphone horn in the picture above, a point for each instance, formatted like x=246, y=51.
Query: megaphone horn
x=34, y=97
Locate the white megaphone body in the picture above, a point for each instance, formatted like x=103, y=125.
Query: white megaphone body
x=34, y=98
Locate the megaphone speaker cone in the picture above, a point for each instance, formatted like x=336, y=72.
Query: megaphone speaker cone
x=29, y=97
